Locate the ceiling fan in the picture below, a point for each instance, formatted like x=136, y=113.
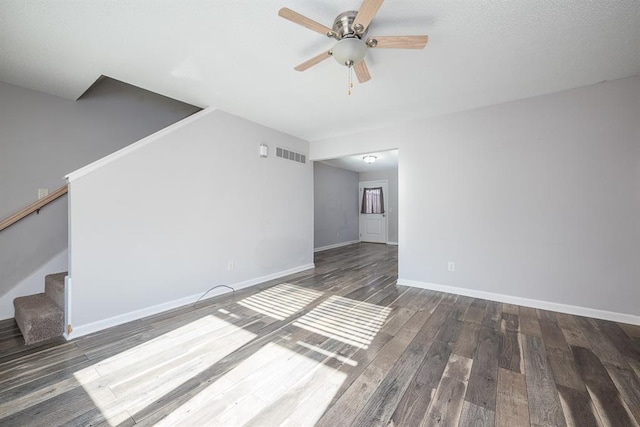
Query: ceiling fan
x=350, y=30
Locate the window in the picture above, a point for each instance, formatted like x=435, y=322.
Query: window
x=372, y=201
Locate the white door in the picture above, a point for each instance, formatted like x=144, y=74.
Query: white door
x=373, y=226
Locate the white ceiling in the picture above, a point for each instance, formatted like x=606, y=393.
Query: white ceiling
x=238, y=55
x=384, y=160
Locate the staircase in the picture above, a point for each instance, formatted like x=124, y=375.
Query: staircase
x=40, y=317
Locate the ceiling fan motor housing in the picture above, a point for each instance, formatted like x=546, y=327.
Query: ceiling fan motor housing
x=343, y=25
x=350, y=49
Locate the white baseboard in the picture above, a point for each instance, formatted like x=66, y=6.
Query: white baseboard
x=527, y=302
x=392, y=243
x=277, y=275
x=89, y=328
x=337, y=245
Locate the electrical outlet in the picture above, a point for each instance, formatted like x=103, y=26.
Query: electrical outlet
x=231, y=265
x=451, y=266
x=42, y=193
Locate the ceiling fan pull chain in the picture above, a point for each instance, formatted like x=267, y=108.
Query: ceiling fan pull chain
x=350, y=79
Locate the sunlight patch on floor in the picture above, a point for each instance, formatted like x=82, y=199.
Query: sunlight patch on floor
x=263, y=389
x=273, y=383
x=329, y=354
x=350, y=321
x=128, y=382
x=228, y=313
x=280, y=301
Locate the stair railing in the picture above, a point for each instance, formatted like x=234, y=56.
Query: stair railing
x=33, y=207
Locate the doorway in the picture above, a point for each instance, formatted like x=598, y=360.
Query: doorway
x=373, y=201
x=338, y=199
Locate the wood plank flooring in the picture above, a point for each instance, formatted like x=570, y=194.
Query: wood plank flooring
x=339, y=345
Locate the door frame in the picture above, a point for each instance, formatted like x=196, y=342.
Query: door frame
x=384, y=183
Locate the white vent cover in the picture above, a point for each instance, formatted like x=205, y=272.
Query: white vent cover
x=290, y=155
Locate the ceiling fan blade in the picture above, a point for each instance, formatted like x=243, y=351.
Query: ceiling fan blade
x=398, y=42
x=304, y=21
x=367, y=11
x=362, y=72
x=313, y=61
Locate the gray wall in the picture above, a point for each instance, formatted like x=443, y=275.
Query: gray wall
x=391, y=175
x=335, y=193
x=537, y=199
x=160, y=223
x=43, y=137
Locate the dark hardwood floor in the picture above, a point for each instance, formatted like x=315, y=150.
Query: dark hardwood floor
x=336, y=346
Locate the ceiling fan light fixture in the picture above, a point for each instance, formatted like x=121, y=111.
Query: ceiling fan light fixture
x=349, y=51
x=369, y=159
x=350, y=29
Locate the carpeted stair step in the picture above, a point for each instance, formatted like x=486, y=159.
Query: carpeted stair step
x=54, y=288
x=38, y=318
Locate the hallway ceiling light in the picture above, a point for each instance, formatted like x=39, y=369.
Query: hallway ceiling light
x=369, y=159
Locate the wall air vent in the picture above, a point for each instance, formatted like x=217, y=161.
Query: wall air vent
x=290, y=155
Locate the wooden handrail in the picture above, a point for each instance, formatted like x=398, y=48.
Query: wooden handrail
x=35, y=206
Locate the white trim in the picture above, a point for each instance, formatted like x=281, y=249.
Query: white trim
x=392, y=243
x=337, y=245
x=137, y=145
x=79, y=331
x=67, y=306
x=277, y=275
x=527, y=302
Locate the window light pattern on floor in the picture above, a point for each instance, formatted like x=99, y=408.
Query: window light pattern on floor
x=129, y=382
x=343, y=319
x=280, y=301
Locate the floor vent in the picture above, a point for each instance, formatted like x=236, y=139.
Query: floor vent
x=290, y=155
